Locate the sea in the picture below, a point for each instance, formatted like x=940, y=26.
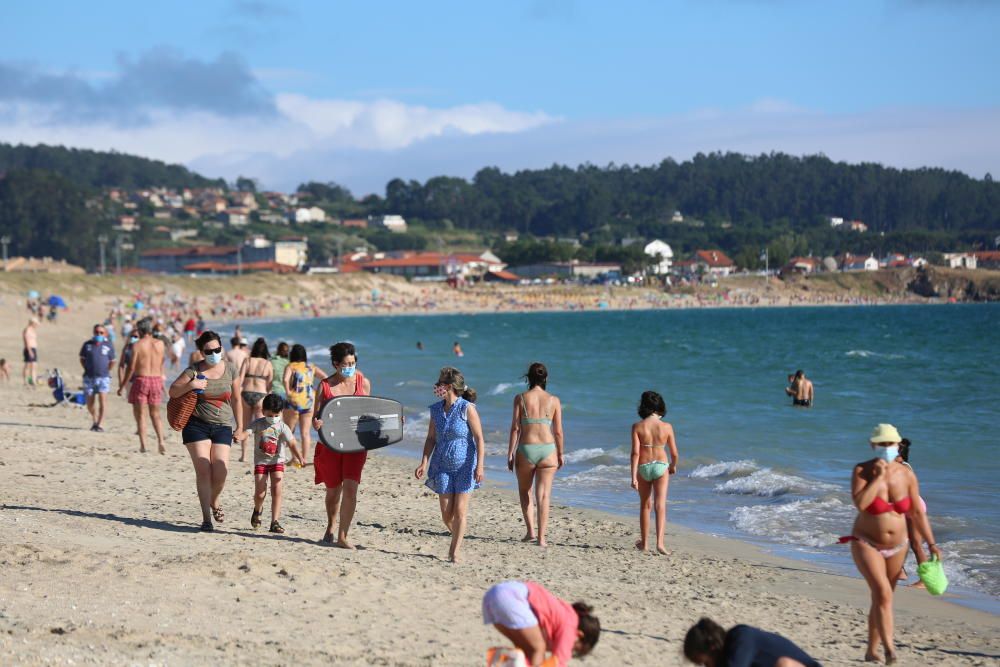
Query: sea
x=753, y=467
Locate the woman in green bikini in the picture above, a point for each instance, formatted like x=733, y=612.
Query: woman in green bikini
x=650, y=469
x=535, y=450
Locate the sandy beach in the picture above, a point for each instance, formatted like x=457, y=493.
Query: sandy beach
x=103, y=564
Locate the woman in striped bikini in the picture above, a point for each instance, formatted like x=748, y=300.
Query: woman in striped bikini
x=535, y=449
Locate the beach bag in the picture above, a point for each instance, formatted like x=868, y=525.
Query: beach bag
x=180, y=409
x=931, y=572
x=502, y=656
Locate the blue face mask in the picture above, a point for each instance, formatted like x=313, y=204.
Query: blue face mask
x=100, y=339
x=887, y=454
x=348, y=371
x=213, y=359
x=134, y=340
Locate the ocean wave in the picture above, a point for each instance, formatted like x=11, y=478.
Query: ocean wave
x=724, y=469
x=813, y=522
x=501, y=388
x=969, y=564
x=604, y=475
x=581, y=455
x=462, y=334
x=865, y=354
x=415, y=426
x=768, y=483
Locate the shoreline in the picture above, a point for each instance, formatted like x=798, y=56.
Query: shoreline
x=106, y=564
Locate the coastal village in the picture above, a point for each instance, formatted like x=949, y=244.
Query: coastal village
x=177, y=222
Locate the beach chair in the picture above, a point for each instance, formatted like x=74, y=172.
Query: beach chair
x=59, y=393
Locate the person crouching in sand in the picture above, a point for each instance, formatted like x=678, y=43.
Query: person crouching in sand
x=454, y=453
x=650, y=469
x=537, y=621
x=271, y=436
x=710, y=645
x=884, y=491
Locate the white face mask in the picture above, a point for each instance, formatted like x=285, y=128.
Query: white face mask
x=273, y=420
x=887, y=454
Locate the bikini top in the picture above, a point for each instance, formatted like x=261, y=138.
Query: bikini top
x=252, y=375
x=532, y=420
x=879, y=506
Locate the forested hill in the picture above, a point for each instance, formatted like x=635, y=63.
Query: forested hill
x=775, y=190
x=99, y=169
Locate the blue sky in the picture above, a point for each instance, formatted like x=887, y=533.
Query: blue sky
x=360, y=92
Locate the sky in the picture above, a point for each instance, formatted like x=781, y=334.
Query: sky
x=359, y=92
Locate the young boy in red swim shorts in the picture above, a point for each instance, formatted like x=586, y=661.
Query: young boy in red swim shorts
x=271, y=436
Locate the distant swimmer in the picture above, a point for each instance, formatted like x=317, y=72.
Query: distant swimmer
x=420, y=345
x=801, y=390
x=457, y=349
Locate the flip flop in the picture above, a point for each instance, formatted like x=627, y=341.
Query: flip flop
x=218, y=514
x=255, y=520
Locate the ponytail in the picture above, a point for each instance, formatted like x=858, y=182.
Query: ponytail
x=470, y=395
x=589, y=625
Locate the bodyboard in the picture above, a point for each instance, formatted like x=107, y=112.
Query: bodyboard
x=359, y=423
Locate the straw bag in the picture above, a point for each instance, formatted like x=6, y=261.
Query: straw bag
x=180, y=409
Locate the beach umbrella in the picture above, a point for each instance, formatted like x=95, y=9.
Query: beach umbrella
x=57, y=301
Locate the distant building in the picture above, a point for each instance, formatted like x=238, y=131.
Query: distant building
x=126, y=223
x=355, y=223
x=677, y=217
x=801, y=265
x=311, y=214
x=987, y=259
x=436, y=266
x=851, y=262
x=960, y=260
x=713, y=262
x=664, y=251
x=510, y=236
x=568, y=270
x=857, y=226
x=393, y=223
x=836, y=222
x=234, y=218
x=173, y=260
x=178, y=234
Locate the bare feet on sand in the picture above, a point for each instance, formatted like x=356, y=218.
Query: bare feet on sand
x=528, y=538
x=640, y=545
x=663, y=550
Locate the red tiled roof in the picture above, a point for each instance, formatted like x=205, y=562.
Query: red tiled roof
x=420, y=259
x=812, y=261
x=247, y=266
x=193, y=251
x=714, y=258
x=987, y=255
x=505, y=275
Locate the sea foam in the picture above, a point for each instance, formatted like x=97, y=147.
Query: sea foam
x=724, y=469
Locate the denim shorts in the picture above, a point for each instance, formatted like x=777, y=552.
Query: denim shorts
x=198, y=430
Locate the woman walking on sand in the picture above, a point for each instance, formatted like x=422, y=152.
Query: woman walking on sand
x=298, y=379
x=256, y=376
x=884, y=491
x=340, y=473
x=209, y=435
x=535, y=449
x=651, y=471
x=454, y=453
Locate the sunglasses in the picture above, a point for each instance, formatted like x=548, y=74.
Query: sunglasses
x=212, y=351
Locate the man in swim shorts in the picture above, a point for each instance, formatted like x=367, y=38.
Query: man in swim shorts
x=30, y=338
x=145, y=370
x=803, y=396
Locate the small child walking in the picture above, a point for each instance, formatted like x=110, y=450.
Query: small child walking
x=271, y=435
x=651, y=438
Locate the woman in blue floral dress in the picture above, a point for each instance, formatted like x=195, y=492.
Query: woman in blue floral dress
x=453, y=453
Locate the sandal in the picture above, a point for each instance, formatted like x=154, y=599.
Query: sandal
x=219, y=515
x=276, y=527
x=255, y=520
x=207, y=527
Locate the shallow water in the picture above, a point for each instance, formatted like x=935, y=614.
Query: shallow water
x=751, y=466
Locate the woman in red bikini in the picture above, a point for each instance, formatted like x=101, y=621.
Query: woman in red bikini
x=340, y=473
x=884, y=491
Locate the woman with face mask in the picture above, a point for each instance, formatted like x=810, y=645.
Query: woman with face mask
x=884, y=491
x=454, y=453
x=340, y=473
x=209, y=432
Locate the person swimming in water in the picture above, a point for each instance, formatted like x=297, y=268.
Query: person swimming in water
x=650, y=469
x=803, y=390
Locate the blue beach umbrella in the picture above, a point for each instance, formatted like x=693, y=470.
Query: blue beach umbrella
x=57, y=301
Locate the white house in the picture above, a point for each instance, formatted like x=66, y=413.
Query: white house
x=960, y=260
x=312, y=214
x=856, y=263
x=393, y=223
x=836, y=222
x=661, y=249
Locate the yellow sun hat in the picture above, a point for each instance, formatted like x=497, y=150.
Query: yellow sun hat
x=884, y=433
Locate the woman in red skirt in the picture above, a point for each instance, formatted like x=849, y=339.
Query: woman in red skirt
x=341, y=473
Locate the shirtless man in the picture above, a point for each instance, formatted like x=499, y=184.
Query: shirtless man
x=238, y=354
x=145, y=370
x=803, y=390
x=30, y=337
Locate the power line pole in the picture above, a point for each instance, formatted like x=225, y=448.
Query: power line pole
x=5, y=240
x=118, y=254
x=239, y=259
x=103, y=240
